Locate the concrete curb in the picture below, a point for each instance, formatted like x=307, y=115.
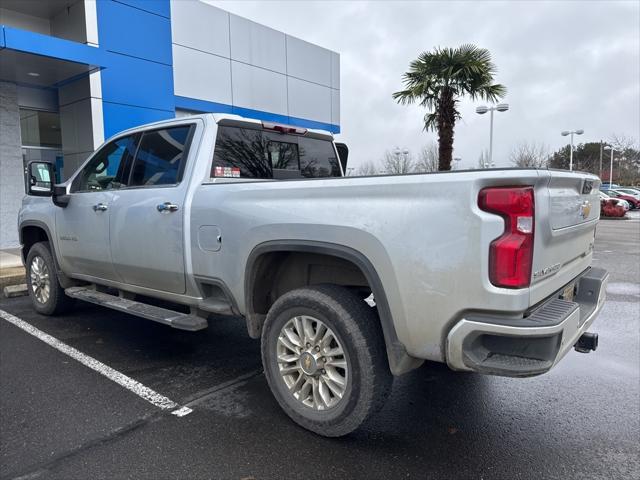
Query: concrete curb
x=12, y=276
x=15, y=290
x=616, y=218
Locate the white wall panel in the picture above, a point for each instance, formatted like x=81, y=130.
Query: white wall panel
x=268, y=70
x=259, y=89
x=181, y=112
x=258, y=45
x=335, y=70
x=309, y=100
x=198, y=25
x=91, y=19
x=201, y=75
x=335, y=106
x=308, y=61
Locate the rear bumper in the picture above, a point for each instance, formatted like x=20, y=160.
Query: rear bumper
x=531, y=345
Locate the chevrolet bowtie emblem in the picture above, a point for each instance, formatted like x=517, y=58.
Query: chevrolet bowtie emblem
x=585, y=209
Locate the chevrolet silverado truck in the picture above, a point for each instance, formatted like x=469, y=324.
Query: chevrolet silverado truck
x=347, y=281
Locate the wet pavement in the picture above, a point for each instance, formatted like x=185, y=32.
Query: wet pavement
x=60, y=419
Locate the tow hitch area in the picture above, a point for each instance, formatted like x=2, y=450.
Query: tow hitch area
x=587, y=342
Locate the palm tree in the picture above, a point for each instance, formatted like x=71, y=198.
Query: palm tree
x=437, y=80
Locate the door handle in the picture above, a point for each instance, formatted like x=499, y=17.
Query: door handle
x=167, y=207
x=101, y=207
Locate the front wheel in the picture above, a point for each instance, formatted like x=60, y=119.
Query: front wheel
x=325, y=360
x=47, y=295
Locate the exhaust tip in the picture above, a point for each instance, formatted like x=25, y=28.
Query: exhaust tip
x=587, y=342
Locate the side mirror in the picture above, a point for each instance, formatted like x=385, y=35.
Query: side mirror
x=343, y=154
x=40, y=178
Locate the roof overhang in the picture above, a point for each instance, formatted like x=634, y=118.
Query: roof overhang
x=45, y=61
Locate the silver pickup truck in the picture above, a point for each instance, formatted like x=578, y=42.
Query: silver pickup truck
x=347, y=281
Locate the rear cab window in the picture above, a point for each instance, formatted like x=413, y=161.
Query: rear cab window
x=262, y=154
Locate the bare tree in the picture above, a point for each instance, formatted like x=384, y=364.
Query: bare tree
x=529, y=154
x=428, y=158
x=397, y=164
x=622, y=142
x=626, y=164
x=366, y=169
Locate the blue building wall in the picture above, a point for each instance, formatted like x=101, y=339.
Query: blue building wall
x=137, y=85
x=136, y=51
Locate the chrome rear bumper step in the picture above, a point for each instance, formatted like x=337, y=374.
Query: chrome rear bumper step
x=165, y=316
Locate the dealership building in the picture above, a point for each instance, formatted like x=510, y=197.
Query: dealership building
x=75, y=72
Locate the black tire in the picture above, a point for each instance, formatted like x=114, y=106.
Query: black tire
x=57, y=302
x=358, y=329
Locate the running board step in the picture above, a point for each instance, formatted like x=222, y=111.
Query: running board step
x=174, y=319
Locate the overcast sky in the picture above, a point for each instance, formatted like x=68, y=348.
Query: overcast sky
x=566, y=64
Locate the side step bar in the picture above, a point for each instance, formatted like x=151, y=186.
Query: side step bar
x=174, y=319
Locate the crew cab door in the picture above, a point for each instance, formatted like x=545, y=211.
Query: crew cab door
x=83, y=226
x=147, y=217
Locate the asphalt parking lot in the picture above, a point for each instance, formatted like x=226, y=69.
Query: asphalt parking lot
x=60, y=419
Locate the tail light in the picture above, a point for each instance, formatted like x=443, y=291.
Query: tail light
x=511, y=254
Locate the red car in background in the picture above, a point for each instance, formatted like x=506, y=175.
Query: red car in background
x=634, y=203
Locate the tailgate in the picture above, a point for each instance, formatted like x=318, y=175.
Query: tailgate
x=567, y=212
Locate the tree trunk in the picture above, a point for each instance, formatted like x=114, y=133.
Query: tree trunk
x=446, y=123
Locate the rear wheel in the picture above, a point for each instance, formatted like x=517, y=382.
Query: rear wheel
x=325, y=360
x=47, y=295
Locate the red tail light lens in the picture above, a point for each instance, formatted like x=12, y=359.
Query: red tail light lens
x=511, y=254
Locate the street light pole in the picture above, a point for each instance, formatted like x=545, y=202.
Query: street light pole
x=491, y=137
x=609, y=147
x=564, y=134
x=601, y=147
x=611, y=169
x=501, y=107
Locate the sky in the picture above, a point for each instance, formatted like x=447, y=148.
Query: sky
x=567, y=65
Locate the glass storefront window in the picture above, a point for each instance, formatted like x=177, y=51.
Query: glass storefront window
x=40, y=129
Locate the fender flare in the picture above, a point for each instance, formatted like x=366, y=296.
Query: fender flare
x=399, y=360
x=65, y=281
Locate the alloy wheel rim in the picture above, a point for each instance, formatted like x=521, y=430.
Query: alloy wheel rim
x=312, y=362
x=40, y=281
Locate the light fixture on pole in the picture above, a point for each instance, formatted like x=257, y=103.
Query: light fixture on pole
x=571, y=132
x=609, y=147
x=397, y=152
x=501, y=107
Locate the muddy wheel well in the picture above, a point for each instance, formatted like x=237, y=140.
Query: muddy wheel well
x=277, y=273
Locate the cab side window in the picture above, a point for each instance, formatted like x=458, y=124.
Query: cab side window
x=161, y=156
x=109, y=168
x=243, y=150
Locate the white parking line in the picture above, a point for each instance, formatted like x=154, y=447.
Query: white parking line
x=121, y=379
